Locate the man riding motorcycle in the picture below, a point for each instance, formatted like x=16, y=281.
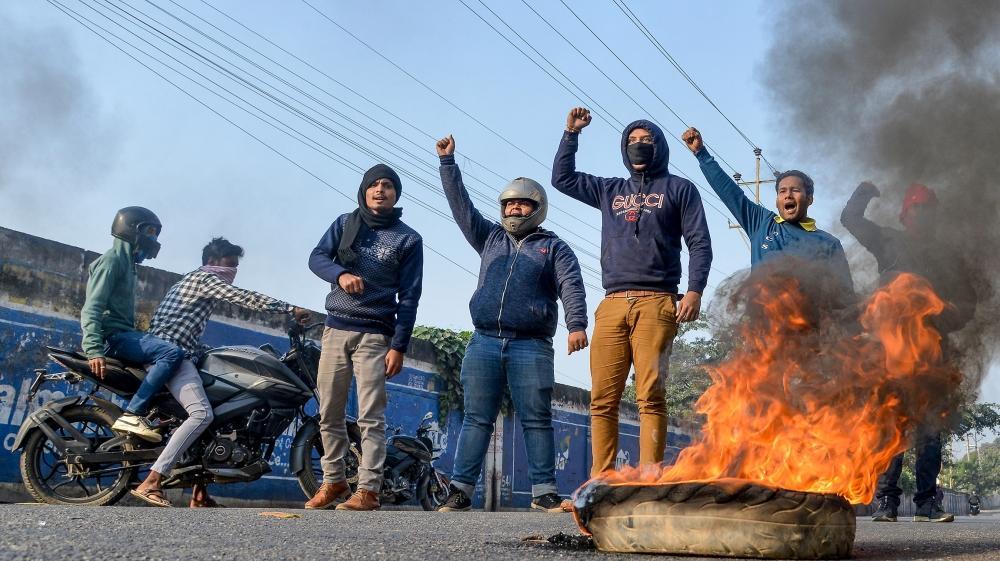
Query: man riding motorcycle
x=180, y=319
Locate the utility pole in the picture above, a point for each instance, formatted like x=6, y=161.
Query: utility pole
x=757, y=181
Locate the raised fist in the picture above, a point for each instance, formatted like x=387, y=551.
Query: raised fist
x=577, y=119
x=868, y=189
x=692, y=139
x=445, y=146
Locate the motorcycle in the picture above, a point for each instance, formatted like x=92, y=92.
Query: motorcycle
x=70, y=456
x=973, y=508
x=408, y=471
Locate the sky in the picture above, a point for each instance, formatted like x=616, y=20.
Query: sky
x=86, y=130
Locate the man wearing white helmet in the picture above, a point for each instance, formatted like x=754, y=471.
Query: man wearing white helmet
x=524, y=270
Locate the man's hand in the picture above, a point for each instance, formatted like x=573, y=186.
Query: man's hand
x=301, y=315
x=577, y=341
x=97, y=365
x=393, y=363
x=692, y=139
x=446, y=146
x=689, y=307
x=868, y=189
x=351, y=284
x=578, y=119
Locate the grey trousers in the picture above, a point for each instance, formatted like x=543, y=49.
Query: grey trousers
x=185, y=386
x=347, y=355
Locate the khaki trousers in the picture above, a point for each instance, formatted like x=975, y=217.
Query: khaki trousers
x=347, y=355
x=630, y=332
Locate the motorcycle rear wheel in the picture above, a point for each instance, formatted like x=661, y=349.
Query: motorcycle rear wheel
x=311, y=477
x=47, y=477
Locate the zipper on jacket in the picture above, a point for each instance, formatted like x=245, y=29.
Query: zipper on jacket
x=638, y=216
x=510, y=273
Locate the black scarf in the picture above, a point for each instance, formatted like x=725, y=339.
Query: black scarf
x=347, y=256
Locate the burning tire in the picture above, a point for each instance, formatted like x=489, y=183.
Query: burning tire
x=727, y=517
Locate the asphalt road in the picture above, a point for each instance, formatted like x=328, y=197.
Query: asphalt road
x=36, y=532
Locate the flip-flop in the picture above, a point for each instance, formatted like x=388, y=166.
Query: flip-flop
x=153, y=497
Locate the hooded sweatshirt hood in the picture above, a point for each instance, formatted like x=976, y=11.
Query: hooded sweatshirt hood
x=661, y=152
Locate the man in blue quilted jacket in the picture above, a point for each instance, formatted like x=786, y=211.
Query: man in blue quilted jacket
x=524, y=270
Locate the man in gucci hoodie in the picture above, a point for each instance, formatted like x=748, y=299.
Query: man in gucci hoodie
x=644, y=217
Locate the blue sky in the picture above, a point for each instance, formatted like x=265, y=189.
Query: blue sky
x=131, y=138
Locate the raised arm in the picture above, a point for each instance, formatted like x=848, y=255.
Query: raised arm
x=475, y=227
x=581, y=186
x=868, y=233
x=747, y=213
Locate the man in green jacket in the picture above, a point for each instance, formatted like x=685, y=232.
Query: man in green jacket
x=108, y=317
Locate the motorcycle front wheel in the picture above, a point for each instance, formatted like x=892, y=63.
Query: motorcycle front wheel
x=311, y=477
x=432, y=490
x=48, y=477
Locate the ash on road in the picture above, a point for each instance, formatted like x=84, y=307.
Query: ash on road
x=36, y=532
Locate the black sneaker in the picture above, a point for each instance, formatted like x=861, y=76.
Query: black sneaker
x=932, y=512
x=457, y=501
x=549, y=502
x=887, y=511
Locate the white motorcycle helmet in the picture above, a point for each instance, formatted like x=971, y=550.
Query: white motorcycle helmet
x=524, y=188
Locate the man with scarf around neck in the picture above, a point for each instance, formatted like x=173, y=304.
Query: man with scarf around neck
x=643, y=218
x=180, y=319
x=374, y=264
x=107, y=318
x=524, y=269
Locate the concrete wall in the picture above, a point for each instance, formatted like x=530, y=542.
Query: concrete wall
x=42, y=287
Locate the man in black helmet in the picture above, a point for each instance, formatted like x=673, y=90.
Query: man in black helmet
x=524, y=269
x=374, y=264
x=107, y=318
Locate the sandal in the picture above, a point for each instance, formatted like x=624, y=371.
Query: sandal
x=152, y=496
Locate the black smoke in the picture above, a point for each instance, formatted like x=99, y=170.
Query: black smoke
x=897, y=92
x=53, y=129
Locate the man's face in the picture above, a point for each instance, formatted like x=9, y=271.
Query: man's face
x=381, y=196
x=228, y=261
x=642, y=136
x=518, y=207
x=793, y=202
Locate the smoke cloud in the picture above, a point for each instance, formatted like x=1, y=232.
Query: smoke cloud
x=897, y=92
x=53, y=131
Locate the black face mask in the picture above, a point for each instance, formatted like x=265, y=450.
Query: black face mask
x=639, y=153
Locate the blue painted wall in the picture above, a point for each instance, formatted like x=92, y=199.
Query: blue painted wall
x=41, y=290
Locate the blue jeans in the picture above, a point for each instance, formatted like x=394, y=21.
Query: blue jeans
x=141, y=348
x=527, y=366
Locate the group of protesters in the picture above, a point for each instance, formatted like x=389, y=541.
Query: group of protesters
x=374, y=265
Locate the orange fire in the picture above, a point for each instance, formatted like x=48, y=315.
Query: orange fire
x=806, y=408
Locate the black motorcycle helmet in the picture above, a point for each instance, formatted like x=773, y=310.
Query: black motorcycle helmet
x=139, y=227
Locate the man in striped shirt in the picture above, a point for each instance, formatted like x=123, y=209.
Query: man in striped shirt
x=181, y=318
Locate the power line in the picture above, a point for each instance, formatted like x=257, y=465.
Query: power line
x=350, y=89
x=90, y=25
x=608, y=113
x=632, y=17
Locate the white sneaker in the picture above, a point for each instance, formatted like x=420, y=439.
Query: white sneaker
x=139, y=426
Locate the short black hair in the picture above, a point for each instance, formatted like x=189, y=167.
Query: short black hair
x=218, y=248
x=807, y=181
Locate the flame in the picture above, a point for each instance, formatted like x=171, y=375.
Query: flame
x=805, y=408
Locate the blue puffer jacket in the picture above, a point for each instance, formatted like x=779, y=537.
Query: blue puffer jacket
x=519, y=282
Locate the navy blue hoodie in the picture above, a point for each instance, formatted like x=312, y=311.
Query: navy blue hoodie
x=518, y=281
x=643, y=218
